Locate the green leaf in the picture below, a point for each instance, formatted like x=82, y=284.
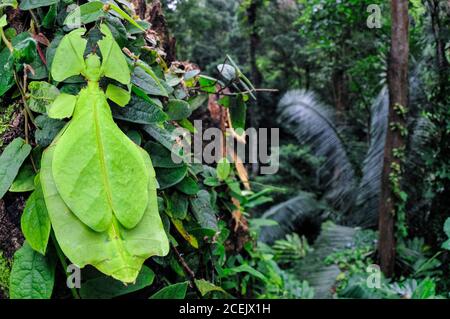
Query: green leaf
x=207, y=84
x=35, y=222
x=168, y=177
x=118, y=252
x=84, y=14
x=107, y=287
x=223, y=169
x=125, y=16
x=42, y=94
x=161, y=156
x=8, y=3
x=62, y=106
x=7, y=74
x=177, y=205
x=47, y=129
x=135, y=136
x=24, y=181
x=10, y=162
x=203, y=211
x=33, y=4
x=49, y=19
x=68, y=60
x=3, y=21
x=178, y=109
x=148, y=82
x=206, y=287
x=114, y=64
x=197, y=101
x=118, y=95
x=32, y=275
x=24, y=48
x=175, y=291
x=184, y=233
x=139, y=111
x=188, y=186
x=244, y=268
x=96, y=166
x=238, y=111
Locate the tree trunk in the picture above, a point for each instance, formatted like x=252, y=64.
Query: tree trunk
x=252, y=12
x=441, y=59
x=340, y=91
x=398, y=95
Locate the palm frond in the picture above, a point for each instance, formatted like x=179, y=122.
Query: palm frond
x=312, y=124
x=289, y=215
x=367, y=201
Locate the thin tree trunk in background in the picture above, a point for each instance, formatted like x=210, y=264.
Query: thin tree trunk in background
x=256, y=77
x=442, y=63
x=339, y=80
x=398, y=95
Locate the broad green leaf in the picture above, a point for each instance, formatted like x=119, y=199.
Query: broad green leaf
x=97, y=166
x=139, y=111
x=24, y=48
x=178, y=109
x=125, y=16
x=114, y=64
x=177, y=205
x=42, y=94
x=147, y=81
x=108, y=287
x=3, y=21
x=223, y=169
x=238, y=111
x=168, y=177
x=8, y=3
x=49, y=19
x=203, y=211
x=188, y=186
x=118, y=252
x=207, y=84
x=175, y=291
x=35, y=222
x=7, y=74
x=24, y=181
x=206, y=287
x=132, y=29
x=47, y=129
x=10, y=162
x=161, y=156
x=135, y=136
x=118, y=95
x=197, y=101
x=32, y=275
x=62, y=106
x=86, y=13
x=68, y=60
x=33, y=4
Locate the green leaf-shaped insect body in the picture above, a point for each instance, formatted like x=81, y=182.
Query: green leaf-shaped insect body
x=99, y=187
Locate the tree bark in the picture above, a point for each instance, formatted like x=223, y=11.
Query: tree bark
x=398, y=95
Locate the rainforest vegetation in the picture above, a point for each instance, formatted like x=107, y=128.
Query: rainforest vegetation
x=100, y=102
